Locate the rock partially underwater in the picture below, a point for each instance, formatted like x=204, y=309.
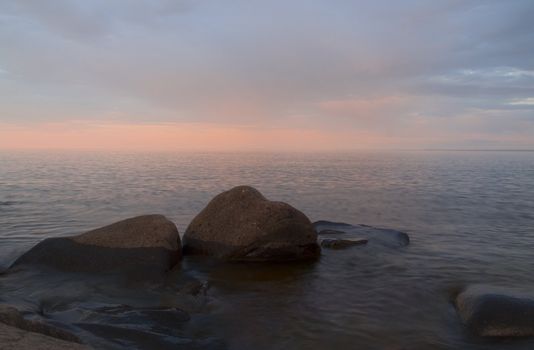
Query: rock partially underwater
x=145, y=245
x=18, y=333
x=342, y=243
x=341, y=232
x=19, y=339
x=242, y=225
x=496, y=312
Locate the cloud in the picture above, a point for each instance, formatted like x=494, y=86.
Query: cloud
x=529, y=101
x=313, y=65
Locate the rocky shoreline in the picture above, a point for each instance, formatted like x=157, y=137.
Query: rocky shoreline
x=239, y=225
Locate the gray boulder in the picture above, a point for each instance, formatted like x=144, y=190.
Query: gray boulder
x=144, y=244
x=496, y=312
x=242, y=225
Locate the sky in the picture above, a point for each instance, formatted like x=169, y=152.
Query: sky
x=266, y=75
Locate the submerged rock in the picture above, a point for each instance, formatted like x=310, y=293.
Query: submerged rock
x=124, y=314
x=143, y=244
x=342, y=243
x=30, y=330
x=242, y=225
x=16, y=338
x=330, y=232
x=496, y=312
x=126, y=327
x=374, y=235
x=321, y=223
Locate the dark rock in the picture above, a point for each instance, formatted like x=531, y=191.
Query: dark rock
x=20, y=339
x=241, y=225
x=496, y=312
x=375, y=235
x=140, y=327
x=330, y=232
x=341, y=243
x=320, y=223
x=119, y=335
x=12, y=317
x=144, y=244
x=194, y=288
x=124, y=314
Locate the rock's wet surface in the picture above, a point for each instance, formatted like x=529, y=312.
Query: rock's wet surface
x=342, y=243
x=373, y=235
x=113, y=312
x=491, y=311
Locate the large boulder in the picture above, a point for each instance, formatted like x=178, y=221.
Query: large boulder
x=496, y=312
x=242, y=225
x=143, y=244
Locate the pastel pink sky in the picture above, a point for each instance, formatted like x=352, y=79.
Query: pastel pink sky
x=189, y=137
x=326, y=75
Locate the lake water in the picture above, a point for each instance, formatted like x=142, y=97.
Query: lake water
x=470, y=217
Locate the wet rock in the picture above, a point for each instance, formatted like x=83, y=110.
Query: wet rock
x=374, y=235
x=145, y=245
x=496, y=312
x=146, y=327
x=329, y=232
x=10, y=316
x=242, y=225
x=194, y=287
x=123, y=314
x=342, y=243
x=321, y=223
x=16, y=338
x=117, y=336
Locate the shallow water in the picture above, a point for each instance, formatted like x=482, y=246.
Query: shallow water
x=470, y=217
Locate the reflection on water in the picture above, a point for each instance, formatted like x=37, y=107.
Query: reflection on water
x=470, y=217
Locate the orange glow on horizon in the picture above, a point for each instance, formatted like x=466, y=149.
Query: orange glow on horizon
x=214, y=137
x=178, y=136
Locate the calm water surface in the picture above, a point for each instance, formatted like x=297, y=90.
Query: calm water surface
x=470, y=216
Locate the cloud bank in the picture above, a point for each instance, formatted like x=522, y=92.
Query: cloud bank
x=386, y=74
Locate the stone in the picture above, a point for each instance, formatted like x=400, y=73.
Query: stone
x=496, y=312
x=242, y=225
x=376, y=236
x=144, y=244
x=12, y=317
x=320, y=223
x=342, y=243
x=16, y=338
x=329, y=232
